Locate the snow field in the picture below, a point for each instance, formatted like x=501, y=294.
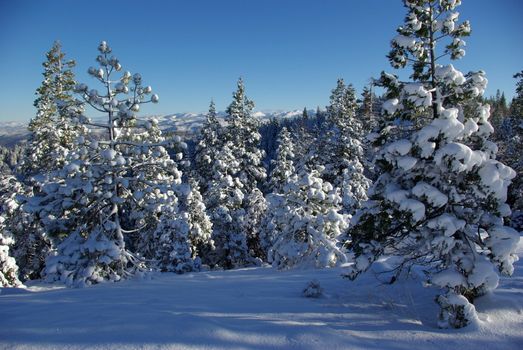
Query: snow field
x=254, y=308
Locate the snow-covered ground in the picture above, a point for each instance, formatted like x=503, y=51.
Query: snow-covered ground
x=257, y=308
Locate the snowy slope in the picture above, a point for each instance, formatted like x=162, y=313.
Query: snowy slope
x=257, y=308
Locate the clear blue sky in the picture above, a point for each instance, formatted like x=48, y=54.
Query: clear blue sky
x=289, y=52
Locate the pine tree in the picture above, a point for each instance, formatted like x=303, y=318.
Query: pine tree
x=51, y=135
x=516, y=106
x=225, y=199
x=114, y=182
x=207, y=147
x=9, y=187
x=303, y=223
x=510, y=141
x=184, y=235
x=440, y=198
x=367, y=109
x=498, y=109
x=242, y=132
x=342, y=152
x=283, y=164
x=32, y=243
x=282, y=171
x=367, y=102
x=256, y=207
x=51, y=139
x=237, y=172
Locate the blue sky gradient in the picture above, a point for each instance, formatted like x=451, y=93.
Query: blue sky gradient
x=289, y=52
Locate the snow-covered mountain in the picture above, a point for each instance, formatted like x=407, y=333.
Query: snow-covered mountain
x=188, y=123
x=12, y=132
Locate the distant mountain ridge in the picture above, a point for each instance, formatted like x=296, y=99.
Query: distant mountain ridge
x=190, y=123
x=13, y=132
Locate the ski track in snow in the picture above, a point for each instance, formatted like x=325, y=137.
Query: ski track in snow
x=256, y=308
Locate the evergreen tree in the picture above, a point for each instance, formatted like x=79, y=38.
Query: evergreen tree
x=237, y=172
x=51, y=139
x=440, y=200
x=51, y=134
x=242, y=132
x=10, y=158
x=183, y=235
x=303, y=223
x=32, y=243
x=283, y=164
x=207, y=147
x=516, y=106
x=367, y=109
x=498, y=109
x=367, y=102
x=113, y=183
x=225, y=199
x=9, y=187
x=342, y=153
x=256, y=210
x=510, y=137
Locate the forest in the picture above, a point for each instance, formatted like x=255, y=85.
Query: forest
x=428, y=172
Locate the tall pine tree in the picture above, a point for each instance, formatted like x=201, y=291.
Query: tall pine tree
x=116, y=181
x=51, y=134
x=440, y=199
x=342, y=153
x=207, y=148
x=9, y=187
x=237, y=172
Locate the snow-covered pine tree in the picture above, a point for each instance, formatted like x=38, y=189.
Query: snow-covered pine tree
x=256, y=207
x=306, y=146
x=498, y=110
x=9, y=187
x=32, y=244
x=51, y=134
x=224, y=201
x=284, y=162
x=342, y=154
x=237, y=172
x=51, y=139
x=367, y=103
x=200, y=224
x=283, y=170
x=184, y=236
x=115, y=182
x=510, y=136
x=440, y=200
x=207, y=147
x=242, y=131
x=28, y=243
x=368, y=109
x=303, y=223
